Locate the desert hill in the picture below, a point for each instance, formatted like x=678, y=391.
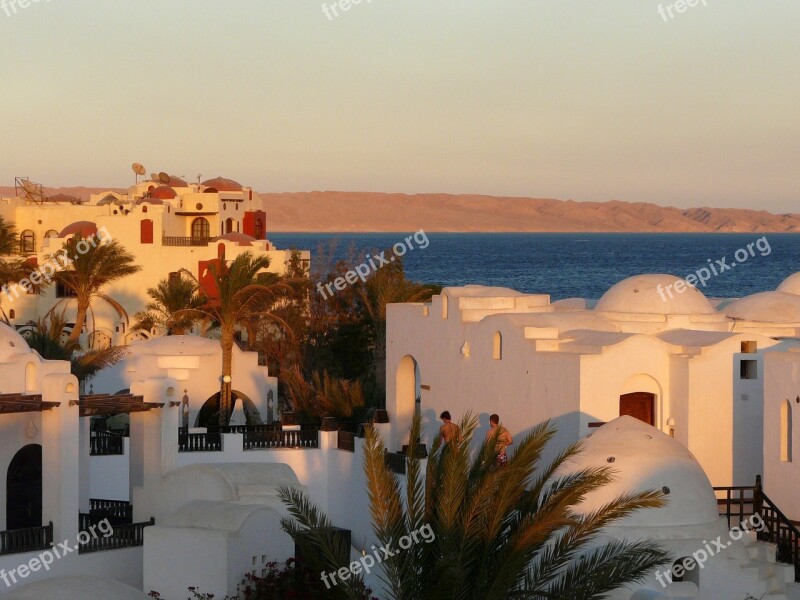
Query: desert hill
x=368, y=211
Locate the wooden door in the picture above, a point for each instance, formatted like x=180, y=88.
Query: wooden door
x=640, y=405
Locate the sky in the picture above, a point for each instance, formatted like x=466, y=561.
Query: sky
x=567, y=99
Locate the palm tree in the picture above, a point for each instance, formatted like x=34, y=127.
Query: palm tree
x=48, y=339
x=238, y=303
x=496, y=533
x=91, y=271
x=387, y=286
x=323, y=396
x=170, y=299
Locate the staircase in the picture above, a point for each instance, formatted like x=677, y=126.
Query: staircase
x=740, y=503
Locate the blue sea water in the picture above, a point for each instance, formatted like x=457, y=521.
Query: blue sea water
x=567, y=265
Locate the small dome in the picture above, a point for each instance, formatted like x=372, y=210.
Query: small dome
x=11, y=343
x=176, y=182
x=239, y=238
x=791, y=285
x=156, y=201
x=654, y=294
x=84, y=228
x=644, y=458
x=766, y=307
x=163, y=192
x=223, y=185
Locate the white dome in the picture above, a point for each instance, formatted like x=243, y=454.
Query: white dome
x=791, y=285
x=766, y=307
x=654, y=294
x=11, y=343
x=644, y=458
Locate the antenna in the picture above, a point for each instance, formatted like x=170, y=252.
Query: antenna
x=164, y=177
x=30, y=190
x=139, y=169
x=199, y=177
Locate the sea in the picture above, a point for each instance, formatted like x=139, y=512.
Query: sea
x=567, y=265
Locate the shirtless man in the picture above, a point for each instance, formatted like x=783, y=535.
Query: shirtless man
x=448, y=431
x=504, y=439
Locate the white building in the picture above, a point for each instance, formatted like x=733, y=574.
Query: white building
x=166, y=227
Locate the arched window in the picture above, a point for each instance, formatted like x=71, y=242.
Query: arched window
x=259, y=230
x=200, y=228
x=27, y=242
x=497, y=347
x=144, y=208
x=786, y=431
x=51, y=233
x=228, y=225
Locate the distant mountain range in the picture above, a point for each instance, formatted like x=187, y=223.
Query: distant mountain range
x=368, y=212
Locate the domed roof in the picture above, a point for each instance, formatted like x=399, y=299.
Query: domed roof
x=240, y=238
x=644, y=458
x=767, y=307
x=155, y=201
x=11, y=343
x=223, y=185
x=791, y=285
x=654, y=294
x=84, y=228
x=163, y=192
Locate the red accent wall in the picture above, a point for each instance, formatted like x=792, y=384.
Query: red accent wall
x=252, y=220
x=206, y=277
x=147, y=231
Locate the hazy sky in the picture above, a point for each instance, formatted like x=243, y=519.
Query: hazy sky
x=589, y=100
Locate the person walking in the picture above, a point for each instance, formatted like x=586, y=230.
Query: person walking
x=503, y=439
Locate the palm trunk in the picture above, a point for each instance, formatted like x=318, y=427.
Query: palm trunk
x=80, y=319
x=226, y=342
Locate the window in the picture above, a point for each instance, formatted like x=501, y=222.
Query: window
x=200, y=228
x=51, y=233
x=497, y=349
x=748, y=369
x=146, y=231
x=64, y=292
x=786, y=431
x=259, y=231
x=27, y=242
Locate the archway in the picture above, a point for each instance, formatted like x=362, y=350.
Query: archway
x=24, y=488
x=208, y=415
x=408, y=399
x=640, y=405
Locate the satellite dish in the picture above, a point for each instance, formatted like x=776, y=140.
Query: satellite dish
x=30, y=190
x=164, y=177
x=138, y=168
x=153, y=176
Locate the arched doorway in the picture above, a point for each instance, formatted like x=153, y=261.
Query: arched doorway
x=208, y=415
x=201, y=229
x=408, y=396
x=24, y=489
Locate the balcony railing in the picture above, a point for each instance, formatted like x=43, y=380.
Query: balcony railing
x=210, y=441
x=103, y=443
x=30, y=539
x=262, y=440
x=176, y=240
x=121, y=536
x=396, y=462
x=116, y=511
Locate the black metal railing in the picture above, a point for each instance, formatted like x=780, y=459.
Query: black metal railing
x=346, y=441
x=261, y=440
x=246, y=428
x=118, y=511
x=396, y=462
x=175, y=240
x=210, y=441
x=738, y=503
x=119, y=536
x=29, y=539
x=104, y=443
